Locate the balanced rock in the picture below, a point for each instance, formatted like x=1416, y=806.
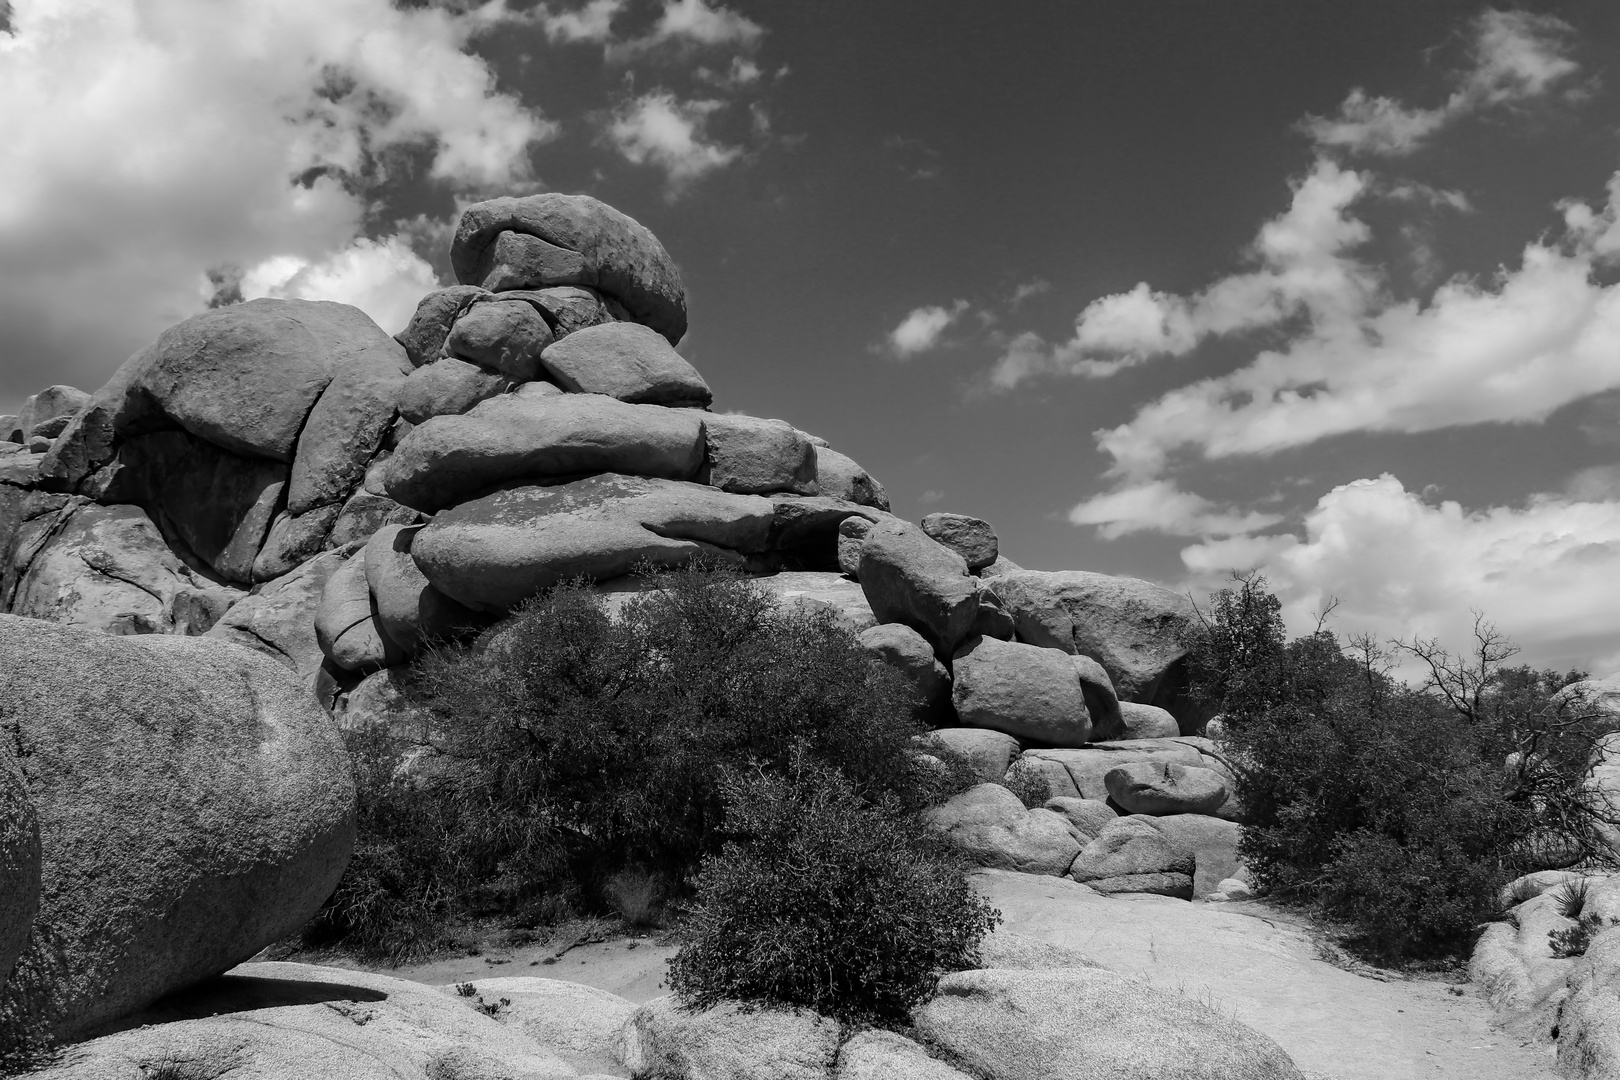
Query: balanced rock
x=729, y=1042
x=627, y=361
x=989, y=752
x=994, y=829
x=1089, y=1024
x=492, y=553
x=1138, y=631
x=447, y=459
x=1130, y=855
x=1023, y=690
x=905, y=650
x=909, y=578
x=1149, y=787
x=969, y=537
x=505, y=335
x=195, y=805
x=583, y=242
x=751, y=456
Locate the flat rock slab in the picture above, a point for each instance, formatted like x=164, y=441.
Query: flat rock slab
x=1252, y=965
x=493, y=553
x=514, y=438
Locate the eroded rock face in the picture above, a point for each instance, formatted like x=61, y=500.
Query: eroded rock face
x=19, y=866
x=583, y=242
x=1090, y=1024
x=626, y=361
x=1138, y=631
x=195, y=804
x=445, y=460
x=278, y=619
x=1130, y=855
x=580, y=1024
x=993, y=828
x=909, y=578
x=492, y=553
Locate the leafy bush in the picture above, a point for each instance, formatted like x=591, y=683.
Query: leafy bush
x=1399, y=810
x=570, y=745
x=826, y=900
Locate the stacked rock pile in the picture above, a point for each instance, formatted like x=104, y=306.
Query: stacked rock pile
x=286, y=476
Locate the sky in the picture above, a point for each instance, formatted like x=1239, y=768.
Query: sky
x=1170, y=289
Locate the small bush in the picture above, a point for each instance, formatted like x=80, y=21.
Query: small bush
x=1029, y=785
x=1570, y=897
x=636, y=896
x=825, y=900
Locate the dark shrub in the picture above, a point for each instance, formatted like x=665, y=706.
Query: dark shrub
x=1401, y=811
x=824, y=900
x=570, y=748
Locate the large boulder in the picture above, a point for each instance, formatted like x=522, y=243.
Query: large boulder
x=195, y=804
x=758, y=457
x=1589, y=1025
x=278, y=618
x=910, y=578
x=1090, y=1024
x=283, y=1021
x=1088, y=816
x=492, y=553
x=582, y=242
x=506, y=335
x=294, y=539
x=19, y=866
x=570, y=307
x=1165, y=787
x=839, y=477
x=626, y=361
x=1083, y=772
x=245, y=377
x=1211, y=841
x=448, y=386
x=1130, y=855
x=346, y=622
x=905, y=650
x=1140, y=632
x=729, y=1042
x=107, y=568
x=448, y=459
x=970, y=537
x=1036, y=694
x=345, y=429
x=409, y=610
x=994, y=829
x=435, y=314
x=46, y=414
x=1147, y=722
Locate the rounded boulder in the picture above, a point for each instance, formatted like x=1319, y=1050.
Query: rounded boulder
x=195, y=805
x=1154, y=787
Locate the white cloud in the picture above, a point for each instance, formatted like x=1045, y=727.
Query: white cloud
x=1029, y=290
x=1548, y=574
x=922, y=329
x=742, y=72
x=142, y=143
x=385, y=279
x=593, y=22
x=659, y=129
x=1303, y=268
x=1516, y=57
x=697, y=21
x=1159, y=506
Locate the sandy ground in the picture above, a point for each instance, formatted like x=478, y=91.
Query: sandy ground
x=1259, y=969
x=1245, y=960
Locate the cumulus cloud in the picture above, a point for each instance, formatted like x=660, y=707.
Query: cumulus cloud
x=661, y=130
x=1516, y=57
x=1160, y=506
x=143, y=143
x=1547, y=573
x=922, y=329
x=704, y=24
x=383, y=278
x=1304, y=267
x=593, y=22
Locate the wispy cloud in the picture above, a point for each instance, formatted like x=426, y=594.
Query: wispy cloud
x=591, y=23
x=1516, y=57
x=922, y=329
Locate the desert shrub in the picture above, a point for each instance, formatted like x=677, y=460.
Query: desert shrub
x=569, y=746
x=824, y=899
x=1028, y=784
x=1401, y=811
